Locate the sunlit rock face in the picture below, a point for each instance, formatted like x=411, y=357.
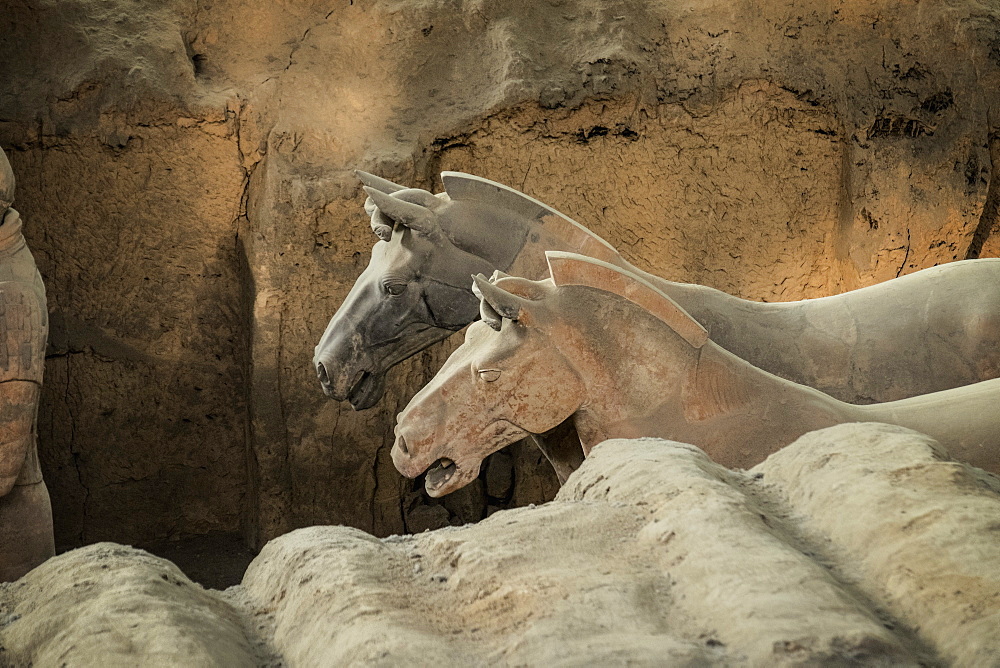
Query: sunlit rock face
x=858, y=544
x=185, y=181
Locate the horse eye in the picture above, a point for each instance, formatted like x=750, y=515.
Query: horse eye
x=489, y=375
x=383, y=232
x=395, y=289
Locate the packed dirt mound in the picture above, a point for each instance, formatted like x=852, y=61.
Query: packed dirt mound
x=858, y=544
x=111, y=605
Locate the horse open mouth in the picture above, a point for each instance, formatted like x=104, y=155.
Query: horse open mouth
x=439, y=474
x=366, y=390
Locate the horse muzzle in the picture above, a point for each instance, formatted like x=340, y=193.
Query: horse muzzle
x=363, y=389
x=403, y=459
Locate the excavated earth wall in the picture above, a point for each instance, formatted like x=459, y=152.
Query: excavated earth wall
x=857, y=545
x=185, y=179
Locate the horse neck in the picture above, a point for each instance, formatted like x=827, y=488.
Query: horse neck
x=630, y=364
x=516, y=244
x=682, y=393
x=556, y=233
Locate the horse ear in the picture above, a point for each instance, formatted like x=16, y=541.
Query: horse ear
x=377, y=182
x=415, y=216
x=573, y=269
x=486, y=312
x=499, y=301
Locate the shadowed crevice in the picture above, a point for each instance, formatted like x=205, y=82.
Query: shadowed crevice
x=991, y=209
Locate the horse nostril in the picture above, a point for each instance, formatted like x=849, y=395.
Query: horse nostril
x=401, y=442
x=324, y=377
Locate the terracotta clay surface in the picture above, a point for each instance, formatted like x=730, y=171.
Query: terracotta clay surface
x=608, y=349
x=856, y=545
x=26, y=538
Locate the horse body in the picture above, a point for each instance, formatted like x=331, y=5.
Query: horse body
x=964, y=419
x=624, y=360
x=740, y=414
x=932, y=330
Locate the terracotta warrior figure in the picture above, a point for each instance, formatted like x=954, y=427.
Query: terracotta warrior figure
x=943, y=332
x=25, y=513
x=610, y=350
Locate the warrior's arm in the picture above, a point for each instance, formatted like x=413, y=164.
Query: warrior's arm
x=18, y=403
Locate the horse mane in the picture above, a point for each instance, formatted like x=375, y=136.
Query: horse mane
x=461, y=186
x=573, y=269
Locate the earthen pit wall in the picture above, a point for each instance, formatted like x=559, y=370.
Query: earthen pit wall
x=142, y=421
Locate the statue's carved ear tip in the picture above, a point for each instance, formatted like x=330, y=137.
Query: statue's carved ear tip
x=476, y=279
x=375, y=194
x=367, y=180
x=377, y=182
x=414, y=216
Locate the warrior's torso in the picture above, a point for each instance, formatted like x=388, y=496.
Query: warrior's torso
x=23, y=334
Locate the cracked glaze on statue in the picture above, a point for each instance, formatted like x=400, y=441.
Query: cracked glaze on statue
x=624, y=360
x=25, y=513
x=932, y=330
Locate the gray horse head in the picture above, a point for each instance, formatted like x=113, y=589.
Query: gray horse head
x=416, y=288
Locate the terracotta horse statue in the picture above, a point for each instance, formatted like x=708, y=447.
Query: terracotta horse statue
x=612, y=351
x=25, y=511
x=932, y=330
